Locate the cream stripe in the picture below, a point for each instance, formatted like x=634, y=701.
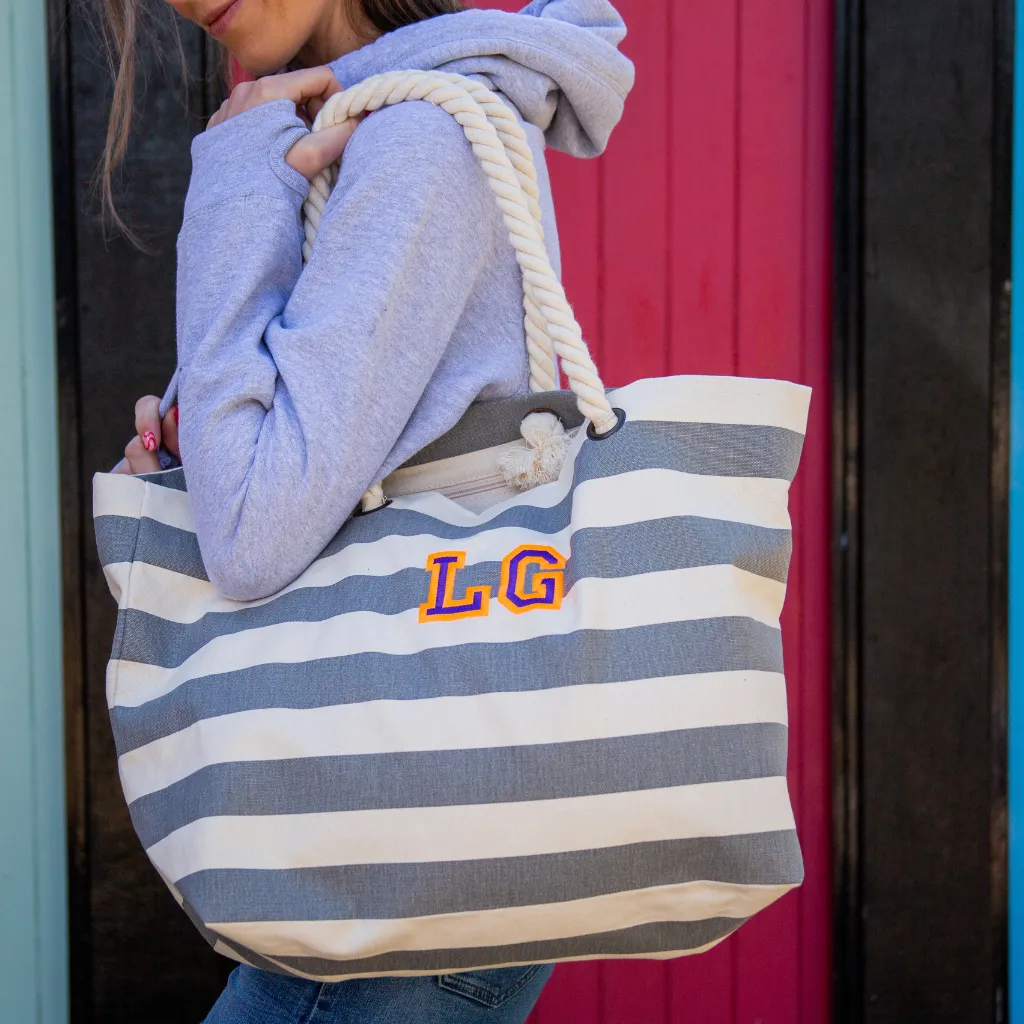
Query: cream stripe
x=673, y=955
x=351, y=940
x=573, y=713
x=749, y=401
x=479, y=831
x=225, y=950
x=596, y=504
x=678, y=595
x=638, y=496
x=117, y=574
x=117, y=495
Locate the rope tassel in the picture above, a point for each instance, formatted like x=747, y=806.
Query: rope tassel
x=541, y=462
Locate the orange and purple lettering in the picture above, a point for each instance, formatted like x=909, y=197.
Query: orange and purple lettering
x=519, y=592
x=442, y=605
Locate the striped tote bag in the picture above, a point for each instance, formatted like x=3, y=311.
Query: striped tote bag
x=488, y=725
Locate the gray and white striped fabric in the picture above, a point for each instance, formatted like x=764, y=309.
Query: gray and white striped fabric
x=553, y=730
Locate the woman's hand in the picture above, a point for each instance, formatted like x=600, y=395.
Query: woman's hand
x=150, y=433
x=309, y=90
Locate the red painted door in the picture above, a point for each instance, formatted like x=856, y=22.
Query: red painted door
x=710, y=212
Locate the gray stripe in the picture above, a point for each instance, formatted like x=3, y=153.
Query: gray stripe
x=116, y=538
x=486, y=424
x=254, y=959
x=445, y=778
x=589, y=656
x=392, y=891
x=609, y=553
x=172, y=479
x=767, y=452
x=158, y=544
x=648, y=938
x=708, y=449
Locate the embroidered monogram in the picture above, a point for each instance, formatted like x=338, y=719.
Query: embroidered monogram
x=523, y=590
x=442, y=605
x=532, y=578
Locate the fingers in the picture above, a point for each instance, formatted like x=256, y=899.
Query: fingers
x=234, y=104
x=297, y=86
x=141, y=454
x=147, y=422
x=310, y=85
x=313, y=107
x=170, y=432
x=221, y=114
x=313, y=152
x=139, y=460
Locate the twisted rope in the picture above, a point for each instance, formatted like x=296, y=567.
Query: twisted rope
x=500, y=145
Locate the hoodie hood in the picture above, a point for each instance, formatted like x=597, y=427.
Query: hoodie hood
x=557, y=62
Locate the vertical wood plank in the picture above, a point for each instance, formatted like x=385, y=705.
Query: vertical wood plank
x=1016, y=564
x=702, y=309
x=814, y=810
x=702, y=197
x=634, y=203
x=701, y=987
x=771, y=98
x=635, y=990
x=926, y=520
x=634, y=327
x=576, y=185
x=572, y=996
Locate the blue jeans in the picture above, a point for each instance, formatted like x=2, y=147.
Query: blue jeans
x=504, y=996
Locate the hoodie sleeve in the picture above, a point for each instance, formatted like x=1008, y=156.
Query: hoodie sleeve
x=294, y=384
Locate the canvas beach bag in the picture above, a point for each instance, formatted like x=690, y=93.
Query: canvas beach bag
x=477, y=734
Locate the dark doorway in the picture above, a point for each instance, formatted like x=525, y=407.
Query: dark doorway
x=923, y=96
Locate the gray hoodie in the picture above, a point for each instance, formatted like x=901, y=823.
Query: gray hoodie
x=299, y=387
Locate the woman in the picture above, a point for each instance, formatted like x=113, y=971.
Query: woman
x=298, y=387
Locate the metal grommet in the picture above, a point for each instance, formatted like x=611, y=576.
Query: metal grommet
x=359, y=512
x=594, y=436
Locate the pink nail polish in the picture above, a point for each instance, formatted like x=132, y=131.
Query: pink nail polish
x=149, y=441
x=174, y=409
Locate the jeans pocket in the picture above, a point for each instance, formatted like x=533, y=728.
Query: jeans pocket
x=490, y=988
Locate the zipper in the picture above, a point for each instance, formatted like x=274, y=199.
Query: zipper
x=458, y=477
x=480, y=485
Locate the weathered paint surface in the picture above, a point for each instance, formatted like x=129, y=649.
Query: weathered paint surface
x=33, y=865
x=700, y=244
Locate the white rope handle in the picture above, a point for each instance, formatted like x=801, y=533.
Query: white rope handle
x=504, y=154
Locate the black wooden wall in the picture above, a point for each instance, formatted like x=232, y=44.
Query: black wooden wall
x=135, y=957
x=923, y=132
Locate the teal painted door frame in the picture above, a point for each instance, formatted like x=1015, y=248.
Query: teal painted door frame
x=33, y=864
